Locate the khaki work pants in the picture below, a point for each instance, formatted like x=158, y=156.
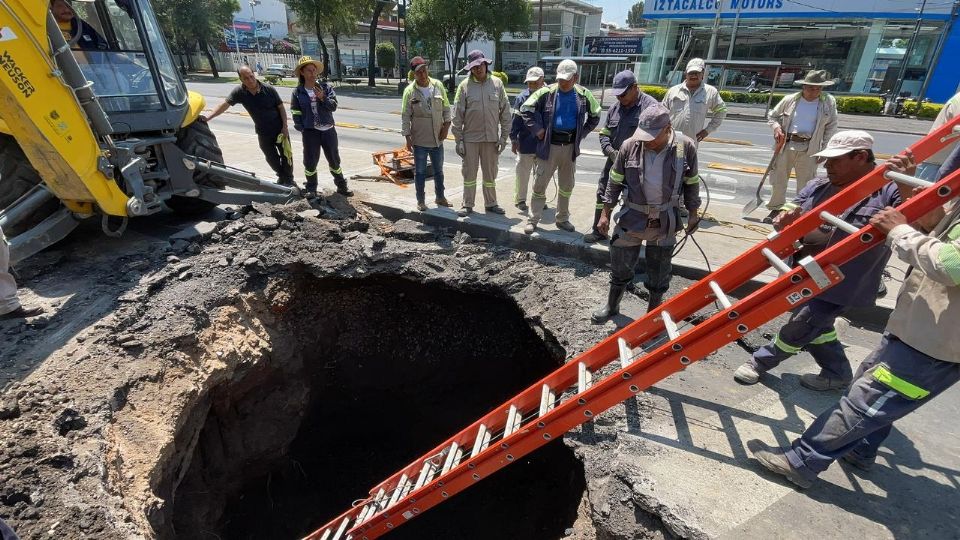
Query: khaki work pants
x=525, y=164
x=560, y=161
x=484, y=155
x=8, y=287
x=793, y=158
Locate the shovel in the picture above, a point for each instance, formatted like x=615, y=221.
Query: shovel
x=754, y=204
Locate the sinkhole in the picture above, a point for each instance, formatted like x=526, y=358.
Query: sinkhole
x=363, y=377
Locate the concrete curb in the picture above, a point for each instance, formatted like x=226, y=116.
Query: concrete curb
x=559, y=244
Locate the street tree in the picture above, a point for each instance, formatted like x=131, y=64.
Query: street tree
x=635, y=16
x=386, y=57
x=450, y=24
x=196, y=24
x=332, y=18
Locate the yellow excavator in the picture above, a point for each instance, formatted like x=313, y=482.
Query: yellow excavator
x=102, y=129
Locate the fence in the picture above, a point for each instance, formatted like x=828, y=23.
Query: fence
x=231, y=61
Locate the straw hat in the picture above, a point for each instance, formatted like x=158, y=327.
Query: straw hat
x=304, y=60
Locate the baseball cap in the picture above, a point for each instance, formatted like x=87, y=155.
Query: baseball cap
x=651, y=122
x=534, y=74
x=623, y=80
x=566, y=70
x=844, y=142
x=416, y=62
x=695, y=64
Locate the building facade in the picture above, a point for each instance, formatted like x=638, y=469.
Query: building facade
x=862, y=43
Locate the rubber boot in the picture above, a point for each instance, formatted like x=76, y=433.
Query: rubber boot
x=311, y=188
x=612, y=307
x=341, y=184
x=594, y=235
x=655, y=300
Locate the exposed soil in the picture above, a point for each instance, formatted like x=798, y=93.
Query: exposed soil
x=253, y=380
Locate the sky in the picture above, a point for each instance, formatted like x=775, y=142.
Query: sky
x=615, y=10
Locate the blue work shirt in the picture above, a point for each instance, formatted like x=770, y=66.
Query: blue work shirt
x=566, y=117
x=862, y=274
x=519, y=132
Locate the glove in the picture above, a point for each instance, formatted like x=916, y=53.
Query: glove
x=501, y=146
x=461, y=149
x=612, y=154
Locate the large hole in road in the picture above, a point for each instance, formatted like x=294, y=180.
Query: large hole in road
x=364, y=377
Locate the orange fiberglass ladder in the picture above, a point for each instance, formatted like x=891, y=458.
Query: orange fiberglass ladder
x=576, y=392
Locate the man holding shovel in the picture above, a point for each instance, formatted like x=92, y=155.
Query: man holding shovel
x=802, y=123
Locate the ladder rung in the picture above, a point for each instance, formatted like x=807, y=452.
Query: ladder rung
x=547, y=398
x=838, y=223
x=721, y=297
x=453, y=458
x=326, y=534
x=626, y=355
x=513, y=421
x=775, y=261
x=341, y=529
x=584, y=378
x=398, y=491
x=365, y=513
x=911, y=181
x=483, y=439
x=426, y=473
x=669, y=325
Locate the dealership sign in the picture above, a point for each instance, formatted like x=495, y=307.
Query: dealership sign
x=896, y=9
x=613, y=46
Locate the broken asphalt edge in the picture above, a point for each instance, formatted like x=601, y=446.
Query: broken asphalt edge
x=553, y=243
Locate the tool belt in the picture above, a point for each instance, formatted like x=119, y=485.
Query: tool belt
x=795, y=137
x=650, y=209
x=562, y=137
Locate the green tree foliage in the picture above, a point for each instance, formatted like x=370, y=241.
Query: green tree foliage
x=449, y=24
x=386, y=56
x=196, y=24
x=333, y=18
x=635, y=16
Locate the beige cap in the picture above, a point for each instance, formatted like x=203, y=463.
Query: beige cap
x=844, y=142
x=534, y=74
x=696, y=64
x=566, y=70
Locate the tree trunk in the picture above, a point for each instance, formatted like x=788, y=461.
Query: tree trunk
x=372, y=53
x=324, y=54
x=337, y=61
x=190, y=64
x=213, y=64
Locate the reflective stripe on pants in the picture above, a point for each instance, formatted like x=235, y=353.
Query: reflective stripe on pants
x=561, y=162
x=482, y=155
x=863, y=418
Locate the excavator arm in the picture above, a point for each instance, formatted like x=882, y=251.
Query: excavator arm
x=46, y=116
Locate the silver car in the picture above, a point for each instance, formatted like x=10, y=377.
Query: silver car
x=280, y=70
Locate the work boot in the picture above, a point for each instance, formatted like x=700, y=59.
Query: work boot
x=441, y=201
x=613, y=305
x=593, y=237
x=529, y=228
x=465, y=211
x=421, y=206
x=656, y=298
x=858, y=461
x=775, y=461
x=820, y=383
x=746, y=374
x=21, y=313
x=565, y=226
x=522, y=206
x=495, y=210
x=341, y=184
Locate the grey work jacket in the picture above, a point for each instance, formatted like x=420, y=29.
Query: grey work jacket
x=826, y=126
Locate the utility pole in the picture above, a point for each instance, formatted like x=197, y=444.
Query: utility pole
x=891, y=103
x=253, y=11
x=540, y=32
x=712, y=49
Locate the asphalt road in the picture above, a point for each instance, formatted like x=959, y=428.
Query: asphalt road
x=377, y=123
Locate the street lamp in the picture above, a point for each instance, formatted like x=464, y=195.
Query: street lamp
x=254, y=3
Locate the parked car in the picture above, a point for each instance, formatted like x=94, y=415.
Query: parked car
x=279, y=70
